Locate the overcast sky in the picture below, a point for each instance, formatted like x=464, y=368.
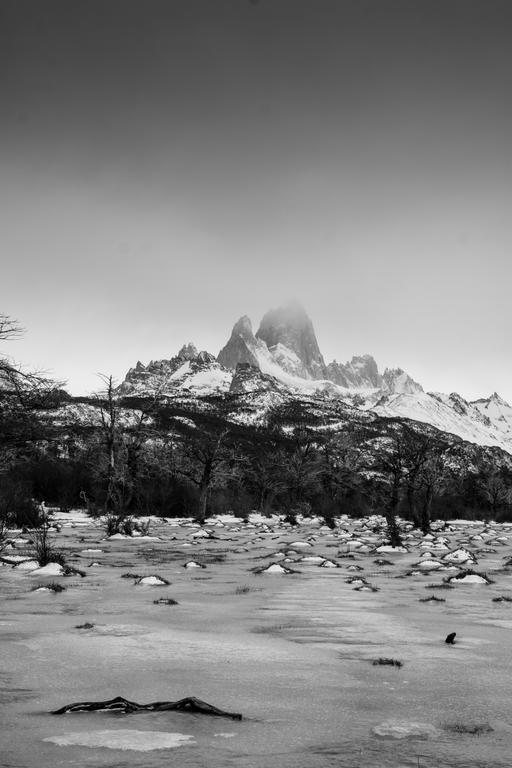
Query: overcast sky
x=169, y=165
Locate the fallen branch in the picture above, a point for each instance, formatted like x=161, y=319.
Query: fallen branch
x=118, y=704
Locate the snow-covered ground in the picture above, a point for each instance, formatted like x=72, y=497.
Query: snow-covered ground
x=292, y=652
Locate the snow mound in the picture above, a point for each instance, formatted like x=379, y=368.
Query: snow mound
x=458, y=556
x=52, y=569
x=152, y=581
x=276, y=568
x=470, y=578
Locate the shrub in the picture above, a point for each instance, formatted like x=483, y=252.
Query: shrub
x=432, y=599
x=440, y=586
x=165, y=601
x=383, y=662
x=113, y=523
x=44, y=551
x=17, y=507
x=290, y=518
x=475, y=729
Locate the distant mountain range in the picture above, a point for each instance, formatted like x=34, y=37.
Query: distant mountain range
x=283, y=362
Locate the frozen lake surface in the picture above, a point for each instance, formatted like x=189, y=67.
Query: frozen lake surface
x=292, y=652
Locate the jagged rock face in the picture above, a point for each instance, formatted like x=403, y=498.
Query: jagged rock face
x=240, y=347
x=291, y=328
x=188, y=352
x=188, y=369
x=205, y=358
x=396, y=381
x=359, y=372
x=249, y=378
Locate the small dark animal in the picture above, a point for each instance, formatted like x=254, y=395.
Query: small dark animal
x=451, y=638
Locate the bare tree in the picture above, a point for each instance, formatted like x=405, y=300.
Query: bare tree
x=495, y=491
x=425, y=456
x=24, y=423
x=391, y=463
x=342, y=463
x=203, y=458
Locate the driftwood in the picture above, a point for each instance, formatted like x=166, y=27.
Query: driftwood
x=190, y=704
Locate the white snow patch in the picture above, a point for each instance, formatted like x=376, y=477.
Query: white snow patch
x=275, y=568
x=138, y=741
x=471, y=578
x=152, y=581
x=402, y=729
x=391, y=550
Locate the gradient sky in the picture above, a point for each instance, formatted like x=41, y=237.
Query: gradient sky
x=169, y=165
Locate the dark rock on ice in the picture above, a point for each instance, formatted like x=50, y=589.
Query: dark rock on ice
x=119, y=704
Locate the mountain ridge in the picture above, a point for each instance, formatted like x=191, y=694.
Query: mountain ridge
x=284, y=359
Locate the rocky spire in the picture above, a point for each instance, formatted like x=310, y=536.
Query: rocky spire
x=240, y=347
x=291, y=327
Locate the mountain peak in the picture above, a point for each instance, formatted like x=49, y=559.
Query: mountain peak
x=241, y=346
x=291, y=327
x=187, y=352
x=396, y=381
x=243, y=327
x=498, y=400
x=361, y=371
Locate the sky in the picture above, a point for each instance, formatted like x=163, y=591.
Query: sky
x=167, y=166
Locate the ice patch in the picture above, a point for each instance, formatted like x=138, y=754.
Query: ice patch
x=14, y=559
x=27, y=565
x=139, y=741
x=402, y=729
x=391, y=550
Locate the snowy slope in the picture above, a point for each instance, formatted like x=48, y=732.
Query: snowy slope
x=499, y=412
x=450, y=413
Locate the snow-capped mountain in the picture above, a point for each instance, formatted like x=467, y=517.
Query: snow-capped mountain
x=283, y=361
x=189, y=370
x=451, y=413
